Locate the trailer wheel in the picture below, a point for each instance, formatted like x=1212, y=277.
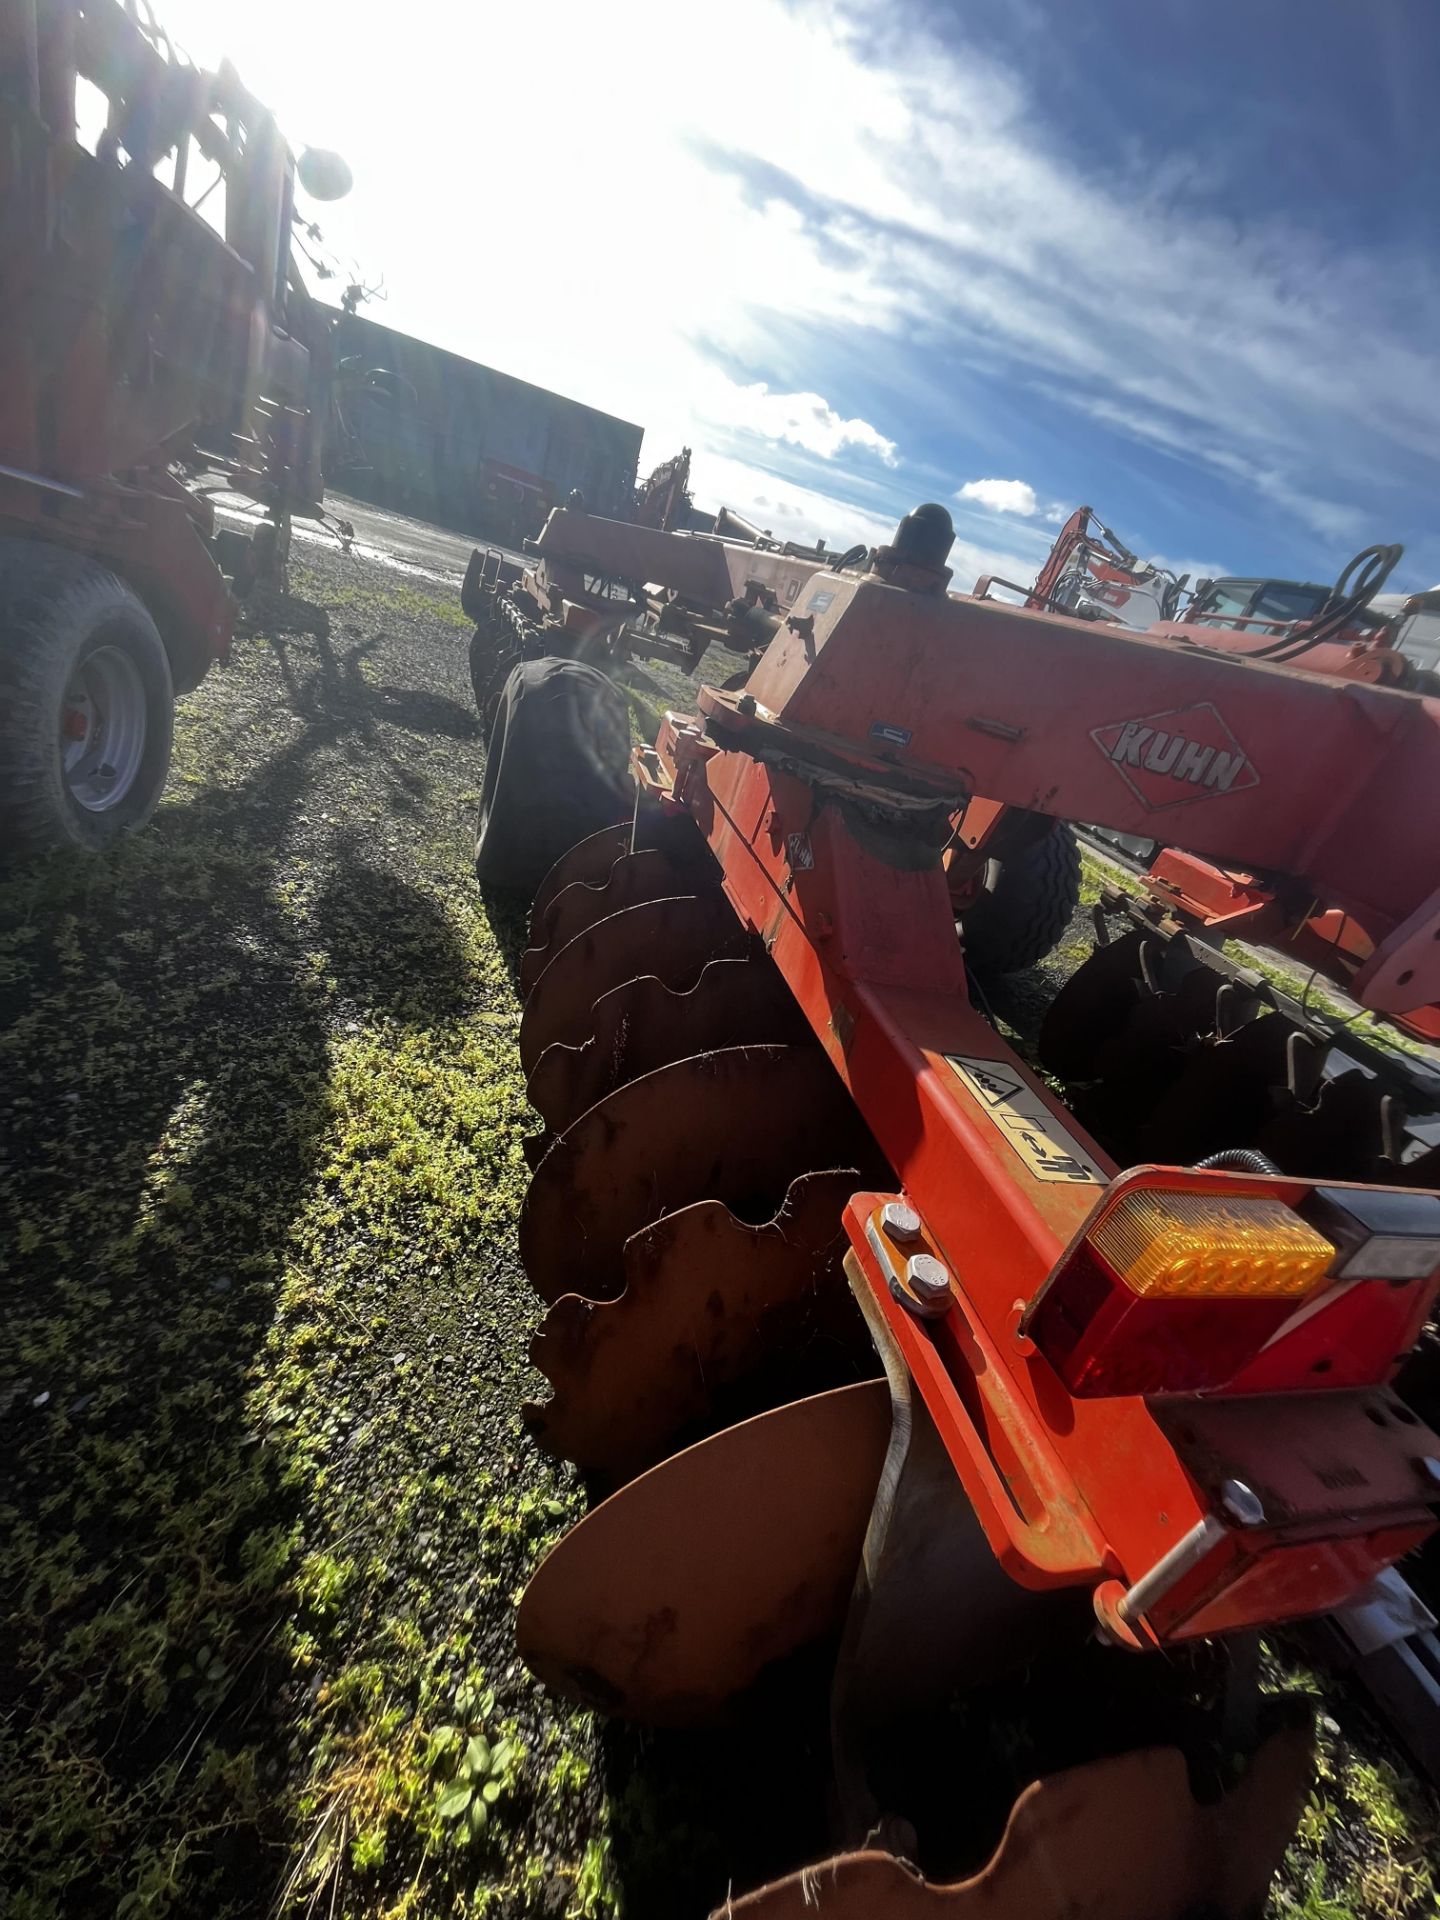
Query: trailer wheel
x=86, y=702
x=555, y=770
x=1025, y=906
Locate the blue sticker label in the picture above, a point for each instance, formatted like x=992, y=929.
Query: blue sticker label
x=892, y=736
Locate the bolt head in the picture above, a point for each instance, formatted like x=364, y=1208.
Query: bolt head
x=1241, y=1506
x=925, y=1289
x=900, y=1222
x=927, y=1277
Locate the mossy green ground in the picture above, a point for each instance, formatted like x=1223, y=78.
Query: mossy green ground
x=269, y=1504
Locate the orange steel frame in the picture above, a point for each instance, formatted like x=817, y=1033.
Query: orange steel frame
x=1092, y=1492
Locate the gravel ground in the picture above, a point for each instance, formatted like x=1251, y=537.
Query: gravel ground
x=271, y=1504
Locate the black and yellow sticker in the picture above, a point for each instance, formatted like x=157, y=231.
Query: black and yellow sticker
x=1048, y=1149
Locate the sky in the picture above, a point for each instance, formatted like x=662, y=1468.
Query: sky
x=1179, y=263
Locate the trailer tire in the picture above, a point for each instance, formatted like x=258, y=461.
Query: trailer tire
x=555, y=769
x=1026, y=904
x=487, y=645
x=87, y=702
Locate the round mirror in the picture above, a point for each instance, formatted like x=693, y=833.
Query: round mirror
x=323, y=175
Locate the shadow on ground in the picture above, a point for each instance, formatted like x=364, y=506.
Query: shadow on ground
x=165, y=1091
x=392, y=950
x=697, y=1816
x=507, y=914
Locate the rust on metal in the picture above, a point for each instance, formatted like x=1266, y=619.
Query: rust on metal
x=633, y=879
x=644, y=1024
x=737, y=1125
x=673, y=1596
x=708, y=1299
x=1120, y=1839
x=588, y=861
x=672, y=939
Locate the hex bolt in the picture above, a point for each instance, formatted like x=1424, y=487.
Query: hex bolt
x=900, y=1222
x=928, y=1283
x=1240, y=1505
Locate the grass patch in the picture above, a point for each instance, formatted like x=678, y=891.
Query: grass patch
x=1367, y=1844
x=269, y=1502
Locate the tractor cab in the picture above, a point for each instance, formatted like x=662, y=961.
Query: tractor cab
x=1254, y=603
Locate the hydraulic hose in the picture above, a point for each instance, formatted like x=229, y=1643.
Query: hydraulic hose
x=1237, y=1160
x=1357, y=586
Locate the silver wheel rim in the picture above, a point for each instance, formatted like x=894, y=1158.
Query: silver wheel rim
x=104, y=722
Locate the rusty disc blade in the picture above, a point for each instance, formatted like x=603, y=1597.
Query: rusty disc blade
x=677, y=1592
x=634, y=878
x=1340, y=1137
x=644, y=1024
x=1227, y=1091
x=673, y=939
x=589, y=860
x=737, y=1126
x=1120, y=1839
x=1094, y=1004
x=708, y=1300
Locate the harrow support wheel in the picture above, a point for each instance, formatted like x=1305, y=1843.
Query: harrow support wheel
x=673, y=1596
x=555, y=769
x=708, y=1301
x=1026, y=902
x=1120, y=1839
x=737, y=1125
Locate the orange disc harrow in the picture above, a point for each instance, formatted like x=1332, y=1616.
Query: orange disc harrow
x=1120, y=1839
x=673, y=939
x=673, y=1596
x=737, y=1126
x=644, y=1024
x=634, y=879
x=708, y=1300
x=589, y=861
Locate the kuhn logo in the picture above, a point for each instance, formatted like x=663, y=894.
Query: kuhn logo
x=1167, y=759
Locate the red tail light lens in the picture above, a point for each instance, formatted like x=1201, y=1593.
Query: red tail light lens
x=1173, y=1292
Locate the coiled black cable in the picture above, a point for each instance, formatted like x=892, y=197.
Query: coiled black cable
x=1357, y=586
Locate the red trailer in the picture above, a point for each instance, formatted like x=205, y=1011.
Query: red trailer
x=141, y=345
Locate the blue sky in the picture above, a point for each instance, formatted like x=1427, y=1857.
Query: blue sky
x=1179, y=262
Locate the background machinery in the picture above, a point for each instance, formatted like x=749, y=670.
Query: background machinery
x=1058, y=1373
x=600, y=589
x=141, y=346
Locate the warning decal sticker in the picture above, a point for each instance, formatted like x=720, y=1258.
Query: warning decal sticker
x=1048, y=1150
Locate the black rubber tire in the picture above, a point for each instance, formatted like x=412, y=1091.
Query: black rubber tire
x=486, y=648
x=556, y=770
x=1027, y=903
x=488, y=701
x=55, y=608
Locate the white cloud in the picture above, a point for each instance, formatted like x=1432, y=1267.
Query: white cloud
x=805, y=514
x=800, y=419
x=1001, y=496
x=784, y=509
x=1197, y=569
